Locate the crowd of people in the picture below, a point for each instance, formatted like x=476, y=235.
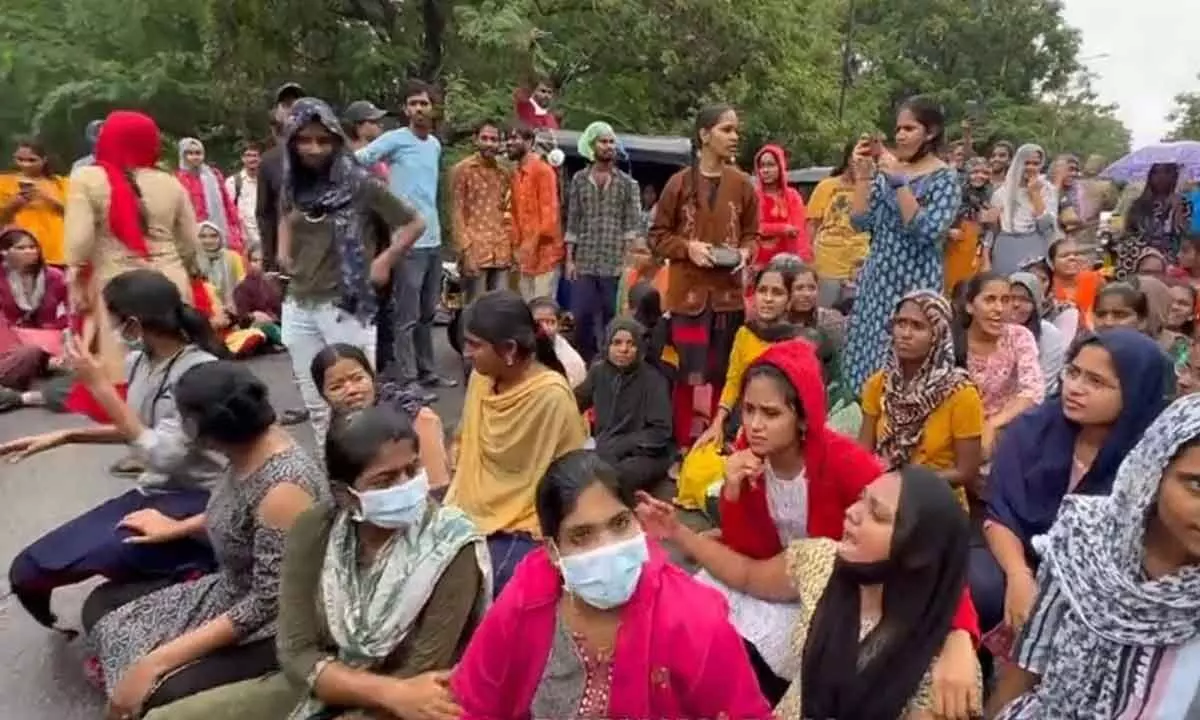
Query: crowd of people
x=949, y=462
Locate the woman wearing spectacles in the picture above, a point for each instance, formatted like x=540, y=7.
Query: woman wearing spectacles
x=1112, y=388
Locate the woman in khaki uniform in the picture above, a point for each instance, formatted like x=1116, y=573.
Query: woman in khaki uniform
x=123, y=214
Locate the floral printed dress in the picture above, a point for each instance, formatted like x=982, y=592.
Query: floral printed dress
x=903, y=257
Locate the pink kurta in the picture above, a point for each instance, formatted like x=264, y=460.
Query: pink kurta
x=676, y=655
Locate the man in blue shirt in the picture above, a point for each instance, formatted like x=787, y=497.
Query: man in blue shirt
x=413, y=156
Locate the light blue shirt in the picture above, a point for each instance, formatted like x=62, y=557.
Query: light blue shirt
x=413, y=165
x=1194, y=198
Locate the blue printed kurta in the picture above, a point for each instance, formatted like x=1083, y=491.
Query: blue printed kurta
x=903, y=257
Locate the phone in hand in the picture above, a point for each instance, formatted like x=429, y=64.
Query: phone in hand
x=1000, y=642
x=25, y=187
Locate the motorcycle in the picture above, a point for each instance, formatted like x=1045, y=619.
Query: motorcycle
x=450, y=312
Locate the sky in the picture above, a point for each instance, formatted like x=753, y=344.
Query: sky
x=1145, y=52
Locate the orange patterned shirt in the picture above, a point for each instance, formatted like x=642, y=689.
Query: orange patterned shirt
x=480, y=210
x=536, y=222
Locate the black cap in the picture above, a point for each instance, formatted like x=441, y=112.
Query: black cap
x=363, y=111
x=289, y=91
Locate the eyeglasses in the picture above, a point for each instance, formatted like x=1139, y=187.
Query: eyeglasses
x=1090, y=380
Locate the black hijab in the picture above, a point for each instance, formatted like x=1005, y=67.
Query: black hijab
x=923, y=579
x=629, y=400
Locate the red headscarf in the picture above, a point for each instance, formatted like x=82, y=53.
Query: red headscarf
x=128, y=141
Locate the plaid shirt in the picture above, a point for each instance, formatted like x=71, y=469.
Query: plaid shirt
x=601, y=221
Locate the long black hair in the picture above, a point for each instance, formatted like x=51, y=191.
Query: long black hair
x=354, y=440
x=225, y=401
x=844, y=164
x=328, y=357
x=565, y=480
x=923, y=579
x=929, y=113
x=154, y=301
x=502, y=316
x=707, y=119
x=38, y=148
x=963, y=295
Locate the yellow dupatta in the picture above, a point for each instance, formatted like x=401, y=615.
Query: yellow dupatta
x=508, y=441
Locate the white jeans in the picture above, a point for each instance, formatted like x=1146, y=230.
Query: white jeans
x=536, y=286
x=308, y=327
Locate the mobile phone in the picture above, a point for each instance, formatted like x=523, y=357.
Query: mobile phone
x=25, y=187
x=1000, y=641
x=975, y=111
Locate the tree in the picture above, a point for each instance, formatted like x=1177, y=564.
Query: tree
x=1185, y=117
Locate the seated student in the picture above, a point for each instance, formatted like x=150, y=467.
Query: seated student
x=550, y=647
x=804, y=310
x=1114, y=632
x=257, y=299
x=793, y=477
x=1120, y=304
x=33, y=314
x=158, y=641
x=874, y=606
x=518, y=416
x=368, y=623
x=922, y=409
x=546, y=314
x=1025, y=309
x=1073, y=443
x=632, y=429
x=344, y=377
x=1180, y=325
x=166, y=338
x=772, y=296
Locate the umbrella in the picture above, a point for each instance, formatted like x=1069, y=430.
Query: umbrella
x=1136, y=165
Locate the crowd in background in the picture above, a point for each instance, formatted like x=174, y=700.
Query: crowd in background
x=935, y=436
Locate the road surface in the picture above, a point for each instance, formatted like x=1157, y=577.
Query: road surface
x=41, y=674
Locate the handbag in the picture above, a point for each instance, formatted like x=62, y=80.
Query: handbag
x=726, y=258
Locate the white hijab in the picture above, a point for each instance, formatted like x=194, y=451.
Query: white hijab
x=1016, y=214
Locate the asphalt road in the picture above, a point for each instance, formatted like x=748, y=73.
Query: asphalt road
x=41, y=674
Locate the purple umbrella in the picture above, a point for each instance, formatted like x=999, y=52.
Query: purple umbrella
x=1136, y=165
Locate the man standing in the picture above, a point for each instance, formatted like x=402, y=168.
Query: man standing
x=602, y=220
x=242, y=188
x=363, y=122
x=533, y=105
x=270, y=176
x=480, y=207
x=535, y=217
x=90, y=134
x=413, y=155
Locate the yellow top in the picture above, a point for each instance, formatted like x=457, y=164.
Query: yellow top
x=39, y=218
x=959, y=417
x=746, y=348
x=837, y=246
x=507, y=442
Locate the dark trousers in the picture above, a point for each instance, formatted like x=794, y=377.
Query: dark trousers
x=593, y=303
x=416, y=289
x=772, y=686
x=507, y=549
x=92, y=544
x=227, y=665
x=640, y=472
x=385, y=333
x=987, y=583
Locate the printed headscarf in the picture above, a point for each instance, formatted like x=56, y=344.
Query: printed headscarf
x=1095, y=551
x=590, y=135
x=128, y=141
x=908, y=404
x=332, y=196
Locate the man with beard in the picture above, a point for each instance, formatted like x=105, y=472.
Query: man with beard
x=270, y=171
x=999, y=160
x=603, y=218
x=330, y=203
x=479, y=206
x=537, y=236
x=413, y=156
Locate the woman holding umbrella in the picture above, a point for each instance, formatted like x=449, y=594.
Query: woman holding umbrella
x=1157, y=219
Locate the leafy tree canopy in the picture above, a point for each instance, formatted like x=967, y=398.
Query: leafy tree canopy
x=206, y=67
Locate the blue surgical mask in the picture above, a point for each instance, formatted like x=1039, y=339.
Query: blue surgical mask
x=395, y=507
x=606, y=577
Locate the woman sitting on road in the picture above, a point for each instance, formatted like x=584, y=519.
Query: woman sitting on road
x=597, y=623
x=33, y=303
x=874, y=607
x=157, y=641
x=166, y=338
x=347, y=382
x=368, y=622
x=519, y=415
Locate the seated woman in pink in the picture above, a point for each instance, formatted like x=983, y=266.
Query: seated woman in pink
x=630, y=636
x=1001, y=357
x=33, y=311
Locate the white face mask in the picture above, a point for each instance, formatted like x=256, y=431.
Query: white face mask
x=395, y=507
x=606, y=577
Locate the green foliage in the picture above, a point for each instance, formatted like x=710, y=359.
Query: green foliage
x=1185, y=117
x=206, y=68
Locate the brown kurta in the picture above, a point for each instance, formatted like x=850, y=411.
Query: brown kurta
x=683, y=215
x=480, y=205
x=171, y=239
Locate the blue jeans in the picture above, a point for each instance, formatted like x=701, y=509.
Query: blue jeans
x=593, y=303
x=416, y=289
x=507, y=549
